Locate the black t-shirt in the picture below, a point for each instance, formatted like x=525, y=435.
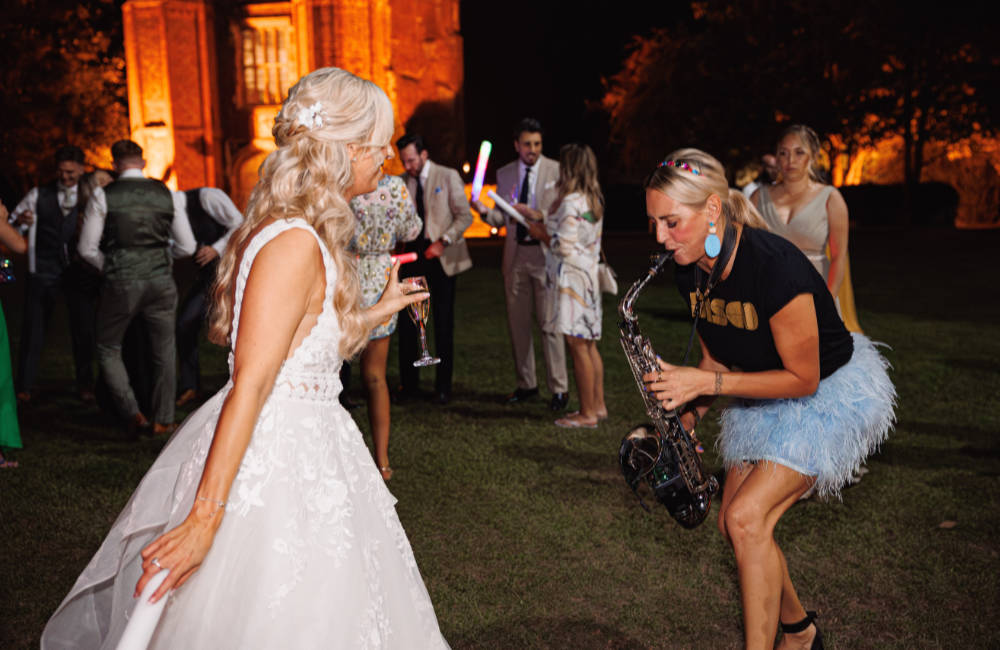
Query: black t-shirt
x=768, y=272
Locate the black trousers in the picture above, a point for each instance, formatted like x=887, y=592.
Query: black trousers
x=79, y=288
x=190, y=317
x=442, y=287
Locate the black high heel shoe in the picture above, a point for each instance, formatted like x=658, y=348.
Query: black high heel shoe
x=795, y=628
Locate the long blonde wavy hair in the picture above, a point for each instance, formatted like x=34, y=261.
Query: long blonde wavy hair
x=693, y=189
x=307, y=177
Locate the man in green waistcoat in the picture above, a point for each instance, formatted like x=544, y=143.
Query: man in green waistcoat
x=132, y=229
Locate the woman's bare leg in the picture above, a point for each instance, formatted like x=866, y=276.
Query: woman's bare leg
x=583, y=371
x=373, y=362
x=600, y=409
x=754, y=503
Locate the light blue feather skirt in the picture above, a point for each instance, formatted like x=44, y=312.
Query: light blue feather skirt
x=827, y=434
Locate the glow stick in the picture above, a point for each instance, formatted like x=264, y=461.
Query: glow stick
x=477, y=180
x=145, y=616
x=405, y=258
x=508, y=208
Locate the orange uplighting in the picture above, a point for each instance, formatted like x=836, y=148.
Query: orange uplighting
x=479, y=228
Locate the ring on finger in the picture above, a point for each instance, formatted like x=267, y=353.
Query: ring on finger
x=156, y=562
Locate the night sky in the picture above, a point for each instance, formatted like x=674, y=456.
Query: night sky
x=546, y=60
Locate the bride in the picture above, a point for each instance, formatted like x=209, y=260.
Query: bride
x=266, y=507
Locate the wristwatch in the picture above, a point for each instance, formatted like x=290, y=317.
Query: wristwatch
x=446, y=239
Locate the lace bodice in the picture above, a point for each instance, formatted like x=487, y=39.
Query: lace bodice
x=312, y=371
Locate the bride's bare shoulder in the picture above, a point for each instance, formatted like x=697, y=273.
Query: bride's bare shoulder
x=297, y=242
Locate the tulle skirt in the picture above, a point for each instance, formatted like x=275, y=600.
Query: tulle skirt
x=310, y=552
x=827, y=434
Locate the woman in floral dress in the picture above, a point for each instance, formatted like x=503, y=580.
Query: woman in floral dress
x=572, y=236
x=385, y=217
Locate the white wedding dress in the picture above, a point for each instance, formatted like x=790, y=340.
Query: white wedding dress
x=310, y=552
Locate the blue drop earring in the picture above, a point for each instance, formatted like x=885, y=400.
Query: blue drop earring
x=712, y=244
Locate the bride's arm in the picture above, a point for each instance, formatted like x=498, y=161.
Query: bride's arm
x=284, y=279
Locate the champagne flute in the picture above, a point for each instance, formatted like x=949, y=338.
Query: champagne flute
x=418, y=314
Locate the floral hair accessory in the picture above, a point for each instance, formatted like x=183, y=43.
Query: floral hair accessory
x=682, y=165
x=311, y=117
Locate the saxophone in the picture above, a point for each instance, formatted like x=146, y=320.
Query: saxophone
x=662, y=452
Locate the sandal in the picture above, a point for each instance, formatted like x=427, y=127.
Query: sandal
x=386, y=472
x=9, y=464
x=572, y=421
x=801, y=626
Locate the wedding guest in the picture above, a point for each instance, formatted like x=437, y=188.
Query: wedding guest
x=804, y=209
x=49, y=216
x=768, y=174
x=213, y=218
x=384, y=218
x=130, y=230
x=10, y=434
x=439, y=197
x=572, y=234
x=808, y=400
x=811, y=214
x=530, y=180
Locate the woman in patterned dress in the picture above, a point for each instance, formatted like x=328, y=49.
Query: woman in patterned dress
x=385, y=217
x=572, y=236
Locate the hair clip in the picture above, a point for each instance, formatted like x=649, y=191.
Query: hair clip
x=681, y=165
x=311, y=117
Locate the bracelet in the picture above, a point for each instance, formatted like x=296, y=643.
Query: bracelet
x=220, y=505
x=718, y=383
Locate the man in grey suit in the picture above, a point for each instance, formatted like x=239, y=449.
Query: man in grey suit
x=442, y=254
x=531, y=180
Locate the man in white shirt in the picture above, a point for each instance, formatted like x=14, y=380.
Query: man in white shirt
x=130, y=230
x=531, y=180
x=48, y=215
x=213, y=218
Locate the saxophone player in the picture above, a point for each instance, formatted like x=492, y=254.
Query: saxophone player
x=811, y=400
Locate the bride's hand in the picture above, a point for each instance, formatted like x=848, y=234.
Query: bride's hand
x=393, y=299
x=180, y=550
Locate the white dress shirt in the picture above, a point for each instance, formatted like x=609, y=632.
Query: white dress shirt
x=221, y=208
x=67, y=197
x=182, y=241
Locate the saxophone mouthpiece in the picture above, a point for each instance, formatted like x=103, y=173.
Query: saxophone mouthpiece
x=658, y=261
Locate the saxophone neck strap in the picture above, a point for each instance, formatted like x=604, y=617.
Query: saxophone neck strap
x=728, y=246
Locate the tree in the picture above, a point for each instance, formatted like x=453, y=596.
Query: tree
x=731, y=75
x=63, y=68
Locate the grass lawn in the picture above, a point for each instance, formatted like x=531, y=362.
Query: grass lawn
x=527, y=536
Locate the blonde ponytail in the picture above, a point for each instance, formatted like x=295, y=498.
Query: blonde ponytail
x=739, y=208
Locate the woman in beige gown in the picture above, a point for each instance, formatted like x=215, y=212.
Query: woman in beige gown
x=812, y=215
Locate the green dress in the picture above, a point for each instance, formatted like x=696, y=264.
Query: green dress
x=10, y=436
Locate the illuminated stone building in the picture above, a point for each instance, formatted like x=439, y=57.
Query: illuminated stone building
x=205, y=79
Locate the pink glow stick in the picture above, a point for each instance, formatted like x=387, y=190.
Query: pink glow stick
x=405, y=258
x=477, y=181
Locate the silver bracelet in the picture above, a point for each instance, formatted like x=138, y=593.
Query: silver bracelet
x=718, y=383
x=220, y=504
